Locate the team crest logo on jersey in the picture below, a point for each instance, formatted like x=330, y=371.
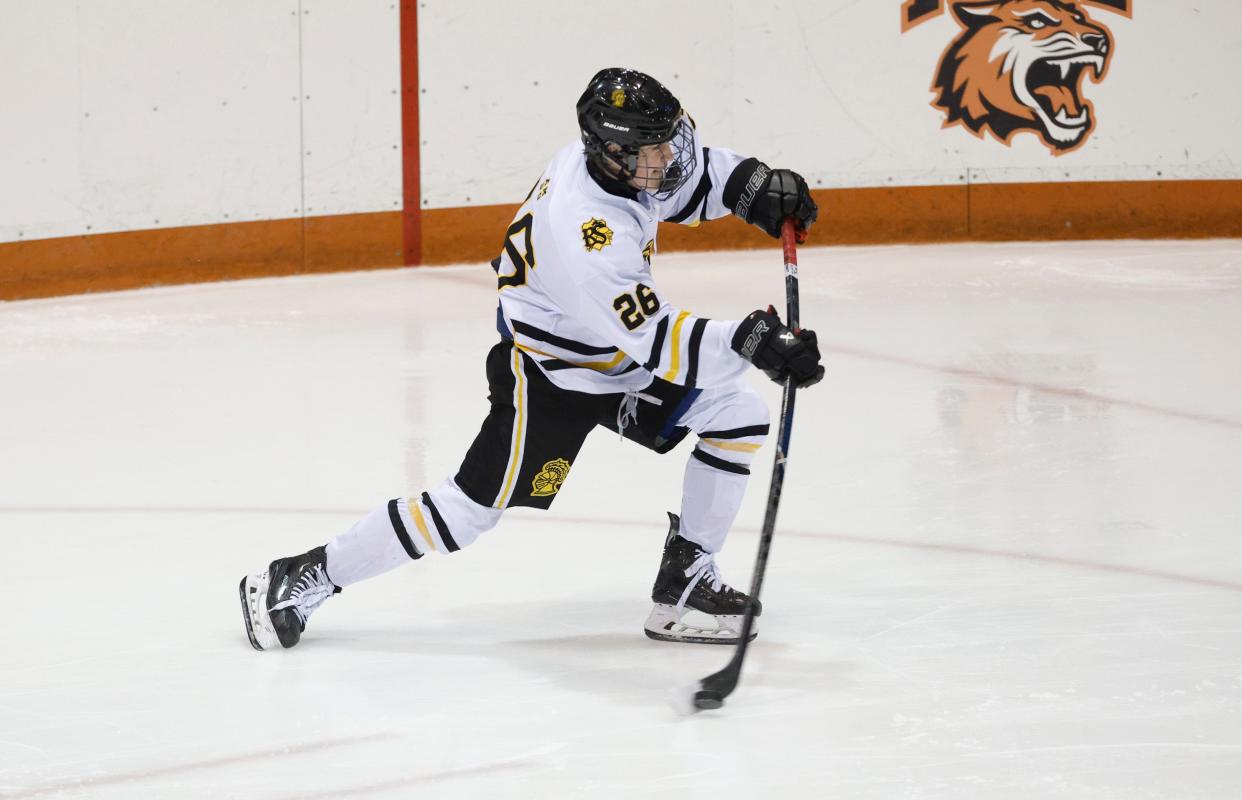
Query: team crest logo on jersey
x=1020, y=65
x=543, y=189
x=648, y=251
x=618, y=97
x=550, y=478
x=596, y=235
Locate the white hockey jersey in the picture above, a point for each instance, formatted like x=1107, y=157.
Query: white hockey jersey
x=576, y=288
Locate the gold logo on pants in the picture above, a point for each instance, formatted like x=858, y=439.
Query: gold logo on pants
x=550, y=478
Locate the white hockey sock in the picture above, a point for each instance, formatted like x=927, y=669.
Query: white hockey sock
x=454, y=520
x=732, y=422
x=709, y=502
x=371, y=547
x=443, y=520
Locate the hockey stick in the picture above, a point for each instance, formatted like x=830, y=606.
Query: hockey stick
x=712, y=690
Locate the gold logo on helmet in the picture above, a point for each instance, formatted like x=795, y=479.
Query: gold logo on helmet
x=596, y=235
x=618, y=97
x=550, y=478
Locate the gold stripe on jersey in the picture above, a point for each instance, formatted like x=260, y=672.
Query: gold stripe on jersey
x=605, y=365
x=601, y=366
x=741, y=447
x=519, y=428
x=675, y=365
x=533, y=351
x=417, y=513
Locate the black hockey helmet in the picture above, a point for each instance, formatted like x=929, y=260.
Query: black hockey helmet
x=623, y=110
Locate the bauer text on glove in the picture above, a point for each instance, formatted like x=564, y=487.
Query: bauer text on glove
x=766, y=197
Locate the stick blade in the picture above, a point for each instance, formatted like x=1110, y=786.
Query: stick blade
x=713, y=689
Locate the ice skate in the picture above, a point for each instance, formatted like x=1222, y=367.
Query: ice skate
x=277, y=603
x=692, y=601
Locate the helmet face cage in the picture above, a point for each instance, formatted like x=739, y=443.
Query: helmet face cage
x=679, y=161
x=623, y=111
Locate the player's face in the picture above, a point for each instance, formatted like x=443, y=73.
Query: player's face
x=649, y=172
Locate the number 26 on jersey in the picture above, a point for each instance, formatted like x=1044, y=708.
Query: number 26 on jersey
x=634, y=308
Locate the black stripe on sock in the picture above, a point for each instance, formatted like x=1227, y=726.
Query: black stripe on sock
x=719, y=463
x=737, y=433
x=700, y=192
x=658, y=346
x=560, y=341
x=696, y=339
x=445, y=536
x=399, y=528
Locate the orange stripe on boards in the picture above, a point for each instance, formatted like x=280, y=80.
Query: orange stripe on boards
x=133, y=259
x=894, y=215
x=1114, y=210
x=465, y=235
x=920, y=214
x=352, y=241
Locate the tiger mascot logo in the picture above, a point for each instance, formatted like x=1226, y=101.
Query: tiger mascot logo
x=1019, y=65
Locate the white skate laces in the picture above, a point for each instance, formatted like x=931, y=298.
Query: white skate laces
x=702, y=568
x=308, y=594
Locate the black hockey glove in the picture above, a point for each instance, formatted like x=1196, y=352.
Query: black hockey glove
x=764, y=197
x=762, y=340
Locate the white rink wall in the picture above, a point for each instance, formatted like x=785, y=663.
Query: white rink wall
x=138, y=114
x=135, y=114
x=831, y=87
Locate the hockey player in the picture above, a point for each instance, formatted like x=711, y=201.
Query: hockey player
x=587, y=340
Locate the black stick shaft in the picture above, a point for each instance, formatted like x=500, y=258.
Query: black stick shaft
x=715, y=687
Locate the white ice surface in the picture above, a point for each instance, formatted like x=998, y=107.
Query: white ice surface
x=1008, y=561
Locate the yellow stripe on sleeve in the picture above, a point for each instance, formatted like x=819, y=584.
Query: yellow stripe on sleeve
x=675, y=366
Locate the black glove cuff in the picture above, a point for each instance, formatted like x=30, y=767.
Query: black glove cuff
x=753, y=333
x=743, y=186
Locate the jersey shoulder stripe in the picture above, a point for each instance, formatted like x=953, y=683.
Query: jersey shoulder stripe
x=700, y=193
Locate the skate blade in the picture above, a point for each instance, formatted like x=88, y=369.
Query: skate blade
x=253, y=594
x=666, y=624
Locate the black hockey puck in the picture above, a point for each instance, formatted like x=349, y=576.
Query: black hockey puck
x=708, y=700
